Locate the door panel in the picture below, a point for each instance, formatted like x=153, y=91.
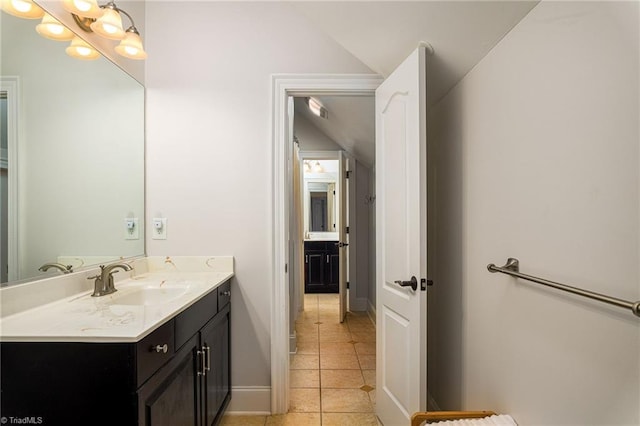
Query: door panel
x=342, y=235
x=401, y=241
x=174, y=402
x=215, y=343
x=315, y=271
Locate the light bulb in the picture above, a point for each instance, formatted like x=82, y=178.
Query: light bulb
x=53, y=29
x=131, y=46
x=22, y=9
x=80, y=49
x=109, y=25
x=84, y=8
x=82, y=5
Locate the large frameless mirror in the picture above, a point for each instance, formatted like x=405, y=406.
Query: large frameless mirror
x=72, y=166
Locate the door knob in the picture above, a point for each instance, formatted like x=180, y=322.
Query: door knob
x=341, y=244
x=413, y=283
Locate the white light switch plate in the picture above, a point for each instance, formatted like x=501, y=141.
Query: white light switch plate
x=159, y=228
x=131, y=229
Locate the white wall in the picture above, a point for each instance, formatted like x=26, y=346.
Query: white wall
x=311, y=138
x=209, y=144
x=361, y=228
x=536, y=156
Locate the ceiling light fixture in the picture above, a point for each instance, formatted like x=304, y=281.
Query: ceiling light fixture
x=22, y=9
x=317, y=108
x=317, y=168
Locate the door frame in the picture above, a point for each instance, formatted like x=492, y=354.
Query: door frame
x=11, y=85
x=313, y=155
x=283, y=86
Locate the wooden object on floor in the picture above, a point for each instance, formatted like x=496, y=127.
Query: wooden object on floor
x=418, y=418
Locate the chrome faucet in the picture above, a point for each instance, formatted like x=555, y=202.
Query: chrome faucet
x=65, y=269
x=103, y=284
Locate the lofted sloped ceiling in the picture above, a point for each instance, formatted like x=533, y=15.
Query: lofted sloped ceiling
x=382, y=33
x=351, y=123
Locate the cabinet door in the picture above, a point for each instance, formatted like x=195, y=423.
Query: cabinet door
x=333, y=273
x=170, y=397
x=315, y=271
x=217, y=385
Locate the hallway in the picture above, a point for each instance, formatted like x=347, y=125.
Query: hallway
x=332, y=375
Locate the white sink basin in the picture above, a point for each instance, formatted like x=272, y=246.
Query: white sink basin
x=149, y=296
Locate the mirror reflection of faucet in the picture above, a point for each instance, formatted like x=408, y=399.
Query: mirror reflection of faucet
x=103, y=284
x=65, y=269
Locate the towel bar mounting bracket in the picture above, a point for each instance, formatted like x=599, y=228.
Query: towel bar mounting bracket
x=512, y=264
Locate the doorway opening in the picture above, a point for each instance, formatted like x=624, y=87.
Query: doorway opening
x=284, y=89
x=333, y=349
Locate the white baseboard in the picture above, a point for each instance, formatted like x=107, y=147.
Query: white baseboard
x=293, y=343
x=254, y=400
x=371, y=311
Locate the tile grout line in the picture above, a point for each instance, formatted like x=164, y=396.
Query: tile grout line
x=319, y=362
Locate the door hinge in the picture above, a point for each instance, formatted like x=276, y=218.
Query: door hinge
x=347, y=285
x=424, y=283
x=286, y=268
x=348, y=174
x=346, y=230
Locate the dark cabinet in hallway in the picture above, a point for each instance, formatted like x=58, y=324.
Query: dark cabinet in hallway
x=321, y=267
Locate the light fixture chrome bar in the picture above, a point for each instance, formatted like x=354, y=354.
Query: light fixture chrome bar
x=84, y=23
x=512, y=267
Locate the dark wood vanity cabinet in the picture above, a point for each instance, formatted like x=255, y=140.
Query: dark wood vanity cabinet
x=179, y=375
x=321, y=267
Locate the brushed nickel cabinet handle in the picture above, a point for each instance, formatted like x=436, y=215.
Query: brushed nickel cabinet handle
x=161, y=348
x=207, y=366
x=201, y=367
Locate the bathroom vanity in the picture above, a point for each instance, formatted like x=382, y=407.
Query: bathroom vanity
x=156, y=352
x=321, y=267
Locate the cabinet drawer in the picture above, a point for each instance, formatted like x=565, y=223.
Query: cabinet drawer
x=224, y=294
x=190, y=321
x=151, y=352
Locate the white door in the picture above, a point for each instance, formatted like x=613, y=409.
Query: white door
x=342, y=235
x=401, y=242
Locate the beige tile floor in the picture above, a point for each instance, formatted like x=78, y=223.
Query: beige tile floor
x=332, y=375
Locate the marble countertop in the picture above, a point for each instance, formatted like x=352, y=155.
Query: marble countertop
x=119, y=317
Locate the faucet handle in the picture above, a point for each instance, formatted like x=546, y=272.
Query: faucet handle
x=94, y=277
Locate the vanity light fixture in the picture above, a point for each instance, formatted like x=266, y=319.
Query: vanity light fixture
x=22, y=9
x=131, y=46
x=316, y=107
x=109, y=25
x=80, y=49
x=315, y=168
x=51, y=28
x=86, y=8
